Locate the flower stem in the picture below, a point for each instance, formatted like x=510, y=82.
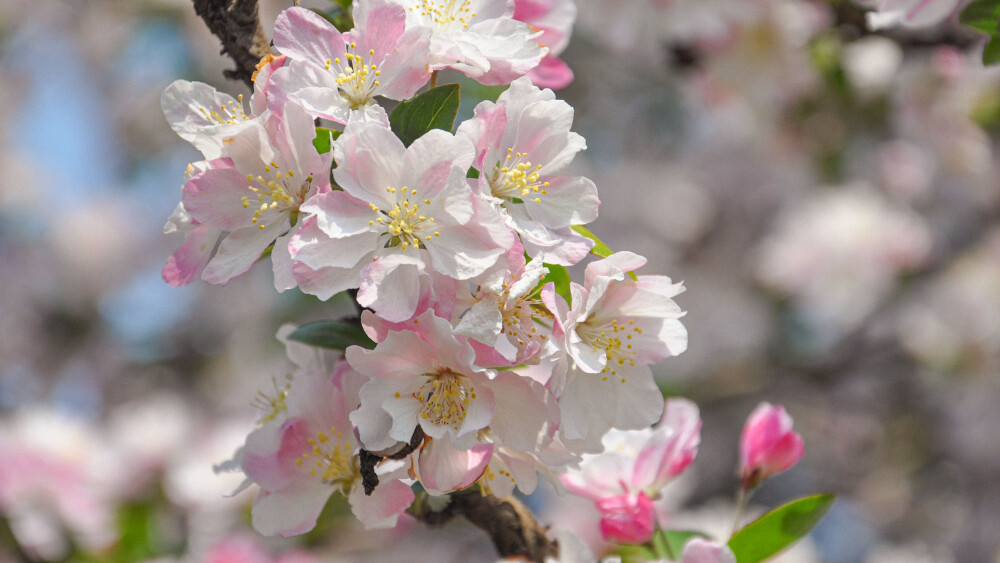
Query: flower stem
x=741, y=503
x=434, y=78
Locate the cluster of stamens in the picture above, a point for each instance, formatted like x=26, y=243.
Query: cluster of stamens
x=403, y=223
x=619, y=352
x=329, y=457
x=485, y=482
x=518, y=318
x=277, y=193
x=445, y=397
x=518, y=178
x=445, y=13
x=272, y=405
x=356, y=78
x=227, y=114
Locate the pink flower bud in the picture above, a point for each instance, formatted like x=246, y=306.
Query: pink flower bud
x=768, y=445
x=627, y=518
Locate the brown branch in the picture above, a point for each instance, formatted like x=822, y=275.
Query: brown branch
x=236, y=24
x=510, y=524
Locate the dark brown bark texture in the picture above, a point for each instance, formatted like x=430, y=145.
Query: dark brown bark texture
x=237, y=26
x=510, y=524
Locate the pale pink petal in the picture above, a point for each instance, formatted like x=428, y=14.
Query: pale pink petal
x=382, y=508
x=292, y=511
x=188, y=261
x=699, y=550
x=238, y=253
x=442, y=468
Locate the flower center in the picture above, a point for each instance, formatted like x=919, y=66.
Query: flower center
x=608, y=337
x=227, y=114
x=518, y=316
x=442, y=15
x=518, y=179
x=357, y=78
x=445, y=396
x=329, y=457
x=404, y=224
x=271, y=405
x=280, y=192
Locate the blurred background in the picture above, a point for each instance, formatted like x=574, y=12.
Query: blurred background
x=828, y=195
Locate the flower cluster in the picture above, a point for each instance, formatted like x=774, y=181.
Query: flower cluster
x=481, y=370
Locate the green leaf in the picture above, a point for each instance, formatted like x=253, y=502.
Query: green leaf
x=634, y=553
x=984, y=16
x=600, y=249
x=670, y=543
x=324, y=139
x=780, y=528
x=433, y=109
x=337, y=335
x=558, y=275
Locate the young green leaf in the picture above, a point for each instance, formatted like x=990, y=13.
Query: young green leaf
x=984, y=16
x=434, y=109
x=780, y=528
x=558, y=275
x=324, y=139
x=337, y=335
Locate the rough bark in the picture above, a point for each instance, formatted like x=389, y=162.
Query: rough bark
x=237, y=26
x=510, y=524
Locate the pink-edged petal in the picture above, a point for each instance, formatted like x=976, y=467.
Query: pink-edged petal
x=214, y=197
x=302, y=34
x=671, y=449
x=188, y=261
x=590, y=404
x=386, y=284
x=404, y=71
x=324, y=283
x=570, y=200
x=281, y=263
x=369, y=159
x=338, y=214
x=310, y=246
x=292, y=511
x=382, y=508
x=551, y=72
x=522, y=419
x=238, y=253
x=442, y=468
x=430, y=159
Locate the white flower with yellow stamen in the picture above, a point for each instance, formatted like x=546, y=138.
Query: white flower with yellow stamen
x=268, y=171
x=617, y=327
x=479, y=38
x=523, y=142
x=335, y=75
x=401, y=211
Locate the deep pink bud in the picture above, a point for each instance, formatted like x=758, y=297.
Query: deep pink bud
x=627, y=518
x=768, y=445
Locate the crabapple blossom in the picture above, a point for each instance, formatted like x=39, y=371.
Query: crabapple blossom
x=203, y=116
x=523, y=142
x=332, y=75
x=254, y=192
x=503, y=316
x=635, y=466
x=615, y=329
x=768, y=445
x=305, y=450
x=478, y=38
x=402, y=210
